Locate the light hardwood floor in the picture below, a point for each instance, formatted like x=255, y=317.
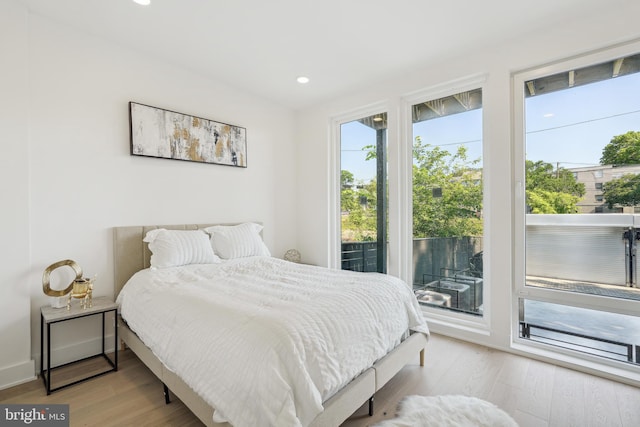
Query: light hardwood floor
x=533, y=392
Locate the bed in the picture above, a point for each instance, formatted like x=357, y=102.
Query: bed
x=339, y=400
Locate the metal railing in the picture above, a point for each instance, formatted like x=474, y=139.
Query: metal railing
x=359, y=256
x=630, y=352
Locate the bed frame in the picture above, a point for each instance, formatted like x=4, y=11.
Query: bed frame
x=131, y=254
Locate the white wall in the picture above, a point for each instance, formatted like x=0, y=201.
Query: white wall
x=70, y=178
x=15, y=345
x=559, y=40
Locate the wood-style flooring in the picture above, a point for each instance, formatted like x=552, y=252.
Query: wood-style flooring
x=532, y=392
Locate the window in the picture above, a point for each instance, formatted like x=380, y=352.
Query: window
x=447, y=202
x=577, y=282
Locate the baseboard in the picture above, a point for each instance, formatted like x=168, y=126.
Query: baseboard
x=17, y=374
x=75, y=351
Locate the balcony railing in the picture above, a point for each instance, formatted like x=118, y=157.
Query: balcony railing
x=359, y=256
x=602, y=347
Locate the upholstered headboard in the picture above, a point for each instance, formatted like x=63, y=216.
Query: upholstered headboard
x=131, y=254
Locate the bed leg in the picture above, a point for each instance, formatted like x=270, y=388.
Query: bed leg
x=422, y=357
x=371, y=406
x=167, y=398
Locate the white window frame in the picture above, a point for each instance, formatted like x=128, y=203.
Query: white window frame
x=519, y=80
x=437, y=317
x=335, y=144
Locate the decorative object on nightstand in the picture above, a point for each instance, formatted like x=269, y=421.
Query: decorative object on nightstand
x=82, y=290
x=292, y=255
x=80, y=287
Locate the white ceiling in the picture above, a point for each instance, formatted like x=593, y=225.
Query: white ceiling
x=341, y=45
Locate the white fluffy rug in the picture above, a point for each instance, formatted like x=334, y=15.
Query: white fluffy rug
x=448, y=411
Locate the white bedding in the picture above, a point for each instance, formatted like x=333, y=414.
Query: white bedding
x=265, y=341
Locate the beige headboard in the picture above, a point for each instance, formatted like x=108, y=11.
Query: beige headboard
x=131, y=254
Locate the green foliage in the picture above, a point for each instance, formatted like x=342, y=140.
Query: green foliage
x=542, y=176
x=551, y=202
x=551, y=191
x=622, y=150
x=348, y=200
x=359, y=213
x=447, y=194
x=455, y=207
x=624, y=191
x=346, y=179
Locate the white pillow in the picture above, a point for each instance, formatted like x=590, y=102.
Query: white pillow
x=237, y=241
x=172, y=248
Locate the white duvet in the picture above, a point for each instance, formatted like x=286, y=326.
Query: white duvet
x=265, y=341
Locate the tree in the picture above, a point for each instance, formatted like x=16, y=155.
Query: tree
x=541, y=176
x=358, y=207
x=447, y=192
x=551, y=202
x=624, y=191
x=622, y=150
x=551, y=191
x=447, y=195
x=348, y=196
x=346, y=179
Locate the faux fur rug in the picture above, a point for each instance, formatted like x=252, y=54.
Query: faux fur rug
x=448, y=411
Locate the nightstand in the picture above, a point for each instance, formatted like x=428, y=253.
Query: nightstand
x=49, y=316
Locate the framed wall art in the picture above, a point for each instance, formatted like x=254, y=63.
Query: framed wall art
x=155, y=132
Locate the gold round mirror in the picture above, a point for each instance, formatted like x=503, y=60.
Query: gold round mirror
x=46, y=277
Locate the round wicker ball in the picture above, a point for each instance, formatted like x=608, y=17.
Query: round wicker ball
x=292, y=255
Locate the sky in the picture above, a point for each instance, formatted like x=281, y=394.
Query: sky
x=568, y=127
x=602, y=111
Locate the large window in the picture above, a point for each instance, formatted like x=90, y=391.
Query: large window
x=447, y=202
x=577, y=288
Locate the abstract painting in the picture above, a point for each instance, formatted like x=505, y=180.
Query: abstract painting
x=166, y=134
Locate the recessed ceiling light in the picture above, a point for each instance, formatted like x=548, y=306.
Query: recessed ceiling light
x=143, y=2
x=303, y=79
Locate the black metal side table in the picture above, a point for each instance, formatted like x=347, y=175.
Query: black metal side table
x=50, y=315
